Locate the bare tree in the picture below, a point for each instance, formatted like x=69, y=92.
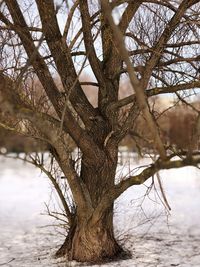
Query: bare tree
x=155, y=43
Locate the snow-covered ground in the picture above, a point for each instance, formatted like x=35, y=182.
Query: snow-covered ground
x=155, y=238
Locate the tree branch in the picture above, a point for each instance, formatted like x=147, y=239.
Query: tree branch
x=57, y=188
x=69, y=19
x=113, y=193
x=128, y=14
x=89, y=45
x=162, y=42
x=62, y=57
x=157, y=91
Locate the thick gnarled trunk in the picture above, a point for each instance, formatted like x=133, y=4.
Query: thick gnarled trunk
x=91, y=238
x=88, y=242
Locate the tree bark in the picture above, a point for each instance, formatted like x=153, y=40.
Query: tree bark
x=91, y=238
x=88, y=242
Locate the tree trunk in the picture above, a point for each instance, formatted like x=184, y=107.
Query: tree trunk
x=92, y=243
x=92, y=239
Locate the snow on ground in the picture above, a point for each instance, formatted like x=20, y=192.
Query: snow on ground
x=143, y=226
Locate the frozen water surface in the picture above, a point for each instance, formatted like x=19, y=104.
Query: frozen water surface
x=154, y=238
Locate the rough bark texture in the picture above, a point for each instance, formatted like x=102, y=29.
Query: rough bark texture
x=91, y=243
x=91, y=238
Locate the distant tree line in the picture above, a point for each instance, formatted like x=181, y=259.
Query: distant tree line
x=177, y=128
